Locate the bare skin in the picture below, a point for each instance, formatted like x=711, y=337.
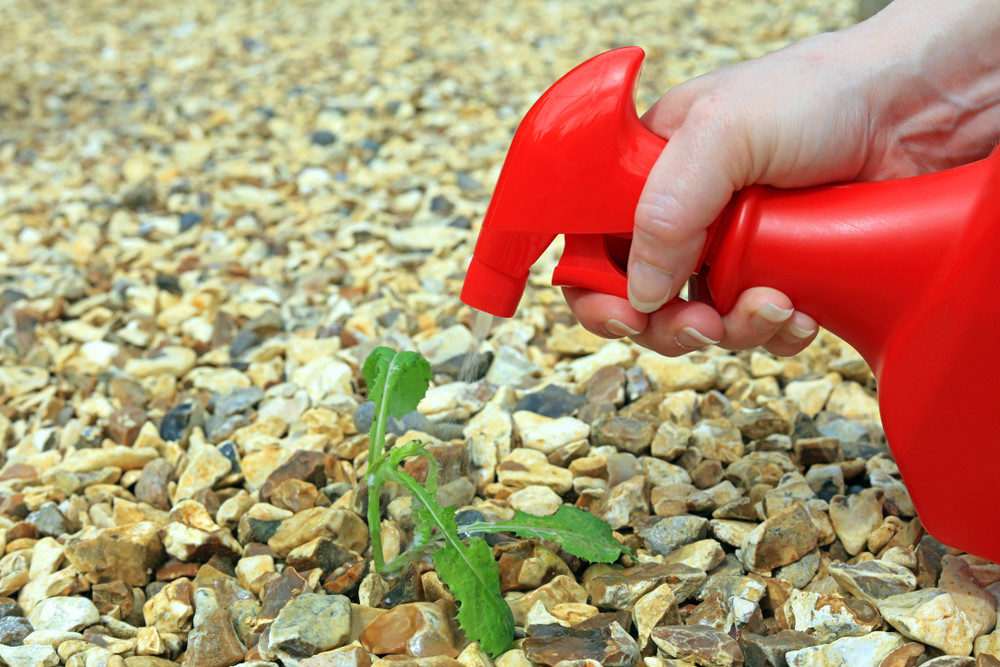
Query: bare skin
x=915, y=89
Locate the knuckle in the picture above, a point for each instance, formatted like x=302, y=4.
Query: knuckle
x=656, y=222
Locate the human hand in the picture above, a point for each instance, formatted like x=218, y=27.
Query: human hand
x=887, y=98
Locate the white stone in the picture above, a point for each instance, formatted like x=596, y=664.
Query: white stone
x=614, y=353
x=324, y=378
x=676, y=373
x=68, y=614
x=173, y=360
x=448, y=343
x=29, y=656
x=867, y=651
x=489, y=436
x=537, y=500
x=546, y=434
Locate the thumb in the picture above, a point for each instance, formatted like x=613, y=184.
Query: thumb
x=691, y=182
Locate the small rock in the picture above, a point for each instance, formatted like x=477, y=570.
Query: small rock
x=701, y=555
x=311, y=623
x=929, y=616
x=561, y=589
x=206, y=467
x=214, y=642
x=547, y=435
x=662, y=535
x=29, y=656
x=64, y=614
x=552, y=401
x=655, y=608
x=770, y=651
x=152, y=486
x=624, y=503
x=13, y=630
x=126, y=553
x=622, y=588
x=346, y=529
x=527, y=467
x=174, y=361
x=699, y=644
x=870, y=649
x=537, y=500
x=873, y=580
x=781, y=539
x=418, y=629
x=827, y=618
x=854, y=518
x=625, y=433
x=609, y=645
x=670, y=374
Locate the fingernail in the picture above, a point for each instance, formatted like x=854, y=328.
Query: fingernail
x=765, y=317
x=619, y=329
x=799, y=332
x=648, y=286
x=691, y=339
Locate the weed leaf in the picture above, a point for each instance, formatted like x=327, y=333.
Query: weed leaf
x=580, y=533
x=474, y=579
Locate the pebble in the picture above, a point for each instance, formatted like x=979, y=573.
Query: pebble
x=871, y=649
x=309, y=624
x=418, y=629
x=699, y=644
x=828, y=617
x=551, y=401
x=29, y=656
x=13, y=630
x=662, y=535
x=930, y=616
x=873, y=580
x=528, y=467
x=781, y=539
x=65, y=614
x=537, y=500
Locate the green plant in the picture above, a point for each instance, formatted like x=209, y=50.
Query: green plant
x=397, y=382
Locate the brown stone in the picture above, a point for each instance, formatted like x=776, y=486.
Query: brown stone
x=781, y=539
x=770, y=651
x=346, y=529
x=277, y=593
x=294, y=495
x=621, y=589
x=699, y=644
x=127, y=553
x=304, y=465
x=111, y=595
x=124, y=424
x=214, y=643
x=452, y=459
x=906, y=655
x=152, y=485
x=610, y=645
x=525, y=566
x=418, y=629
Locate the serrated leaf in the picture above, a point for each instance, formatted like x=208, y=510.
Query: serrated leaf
x=376, y=370
x=409, y=376
x=474, y=579
x=469, y=571
x=579, y=533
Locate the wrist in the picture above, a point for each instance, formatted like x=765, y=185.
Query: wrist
x=934, y=89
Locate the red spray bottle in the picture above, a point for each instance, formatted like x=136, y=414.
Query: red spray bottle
x=902, y=270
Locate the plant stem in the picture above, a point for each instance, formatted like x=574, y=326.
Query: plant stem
x=374, y=476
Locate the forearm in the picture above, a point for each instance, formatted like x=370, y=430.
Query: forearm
x=939, y=99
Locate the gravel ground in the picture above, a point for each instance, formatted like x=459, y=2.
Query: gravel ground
x=210, y=213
